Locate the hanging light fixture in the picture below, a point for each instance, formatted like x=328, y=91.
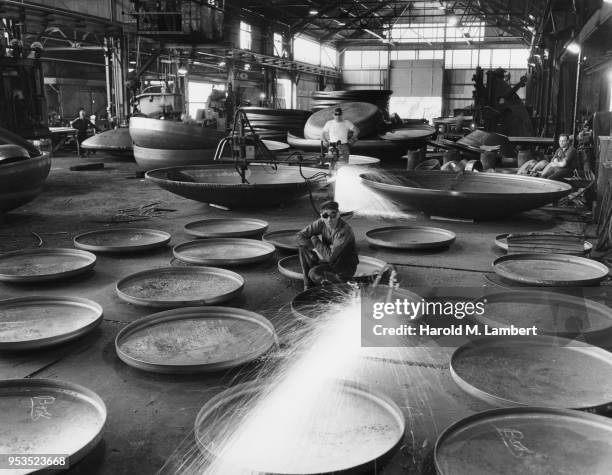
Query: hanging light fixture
x=573, y=47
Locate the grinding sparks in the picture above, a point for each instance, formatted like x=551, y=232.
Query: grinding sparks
x=303, y=401
x=353, y=196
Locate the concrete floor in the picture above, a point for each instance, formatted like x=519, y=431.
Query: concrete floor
x=150, y=415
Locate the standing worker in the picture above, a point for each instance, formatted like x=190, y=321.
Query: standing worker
x=341, y=133
x=328, y=252
x=82, y=125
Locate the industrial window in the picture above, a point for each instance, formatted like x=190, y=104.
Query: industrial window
x=437, y=32
x=430, y=54
x=329, y=56
x=370, y=59
x=278, y=45
x=515, y=58
x=403, y=54
x=245, y=35
x=352, y=59
x=306, y=50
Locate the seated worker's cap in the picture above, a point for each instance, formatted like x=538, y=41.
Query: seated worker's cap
x=337, y=111
x=330, y=205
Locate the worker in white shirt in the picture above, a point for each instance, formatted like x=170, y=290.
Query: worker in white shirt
x=341, y=133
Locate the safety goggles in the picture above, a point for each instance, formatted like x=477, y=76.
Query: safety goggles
x=337, y=115
x=332, y=215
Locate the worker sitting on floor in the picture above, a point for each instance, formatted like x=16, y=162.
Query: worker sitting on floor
x=340, y=131
x=562, y=164
x=327, y=248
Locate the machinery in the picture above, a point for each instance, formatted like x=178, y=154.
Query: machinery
x=23, y=107
x=497, y=107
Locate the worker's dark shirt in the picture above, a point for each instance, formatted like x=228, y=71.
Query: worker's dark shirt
x=81, y=125
x=337, y=247
x=568, y=153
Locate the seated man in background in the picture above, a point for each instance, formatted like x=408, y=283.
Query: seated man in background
x=327, y=248
x=82, y=124
x=562, y=164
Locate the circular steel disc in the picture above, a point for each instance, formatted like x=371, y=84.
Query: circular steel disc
x=40, y=265
x=122, y=240
x=501, y=241
x=410, y=237
x=44, y=416
x=367, y=267
x=349, y=427
x=534, y=371
x=553, y=313
x=530, y=440
x=36, y=322
x=285, y=239
x=190, y=340
x=226, y=227
x=223, y=251
x=550, y=269
x=170, y=287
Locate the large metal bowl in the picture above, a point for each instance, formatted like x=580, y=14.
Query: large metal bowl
x=168, y=134
x=465, y=195
x=221, y=184
x=22, y=181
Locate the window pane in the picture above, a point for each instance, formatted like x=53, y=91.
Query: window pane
x=306, y=50
x=484, y=60
x=352, y=59
x=462, y=58
x=245, y=35
x=370, y=59
x=278, y=44
x=329, y=56
x=518, y=58
x=500, y=58
x=406, y=54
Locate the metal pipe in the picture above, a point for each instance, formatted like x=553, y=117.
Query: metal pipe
x=109, y=96
x=576, y=97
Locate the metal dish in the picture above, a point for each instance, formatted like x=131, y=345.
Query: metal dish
x=223, y=251
x=44, y=416
x=191, y=340
x=367, y=267
x=465, y=195
x=526, y=440
x=362, y=431
x=122, y=240
x=36, y=322
x=534, y=371
x=42, y=265
x=550, y=269
x=171, y=287
x=501, y=241
x=553, y=313
x=222, y=184
x=226, y=227
x=410, y=237
x=22, y=181
x=285, y=239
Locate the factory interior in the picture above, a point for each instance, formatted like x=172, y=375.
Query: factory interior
x=306, y=237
